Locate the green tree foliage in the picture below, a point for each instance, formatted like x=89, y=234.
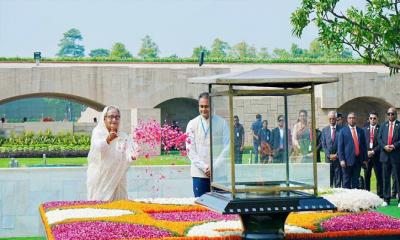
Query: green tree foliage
x=99, y=52
x=68, y=45
x=173, y=56
x=243, y=50
x=319, y=50
x=346, y=53
x=280, y=53
x=219, y=49
x=197, y=51
x=149, y=48
x=118, y=50
x=372, y=32
x=316, y=49
x=263, y=53
x=295, y=51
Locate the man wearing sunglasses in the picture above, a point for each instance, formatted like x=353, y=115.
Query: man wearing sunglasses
x=389, y=141
x=278, y=141
x=371, y=132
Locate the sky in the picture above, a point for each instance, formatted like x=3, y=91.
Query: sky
x=177, y=26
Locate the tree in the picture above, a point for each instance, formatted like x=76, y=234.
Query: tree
x=280, y=53
x=68, y=45
x=295, y=51
x=219, y=49
x=149, y=48
x=99, y=52
x=372, y=32
x=263, y=53
x=316, y=49
x=243, y=50
x=197, y=51
x=173, y=56
x=346, y=53
x=118, y=50
x=319, y=50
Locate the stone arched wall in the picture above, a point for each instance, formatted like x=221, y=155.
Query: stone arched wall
x=88, y=102
x=181, y=110
x=362, y=85
x=364, y=105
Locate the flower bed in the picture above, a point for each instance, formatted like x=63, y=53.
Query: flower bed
x=170, y=219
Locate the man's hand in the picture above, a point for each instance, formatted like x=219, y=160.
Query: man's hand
x=371, y=153
x=388, y=148
x=343, y=164
x=208, y=172
x=333, y=157
x=241, y=148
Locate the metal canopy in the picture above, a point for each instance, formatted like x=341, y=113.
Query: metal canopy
x=266, y=77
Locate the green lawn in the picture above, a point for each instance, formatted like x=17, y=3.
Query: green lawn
x=391, y=210
x=172, y=159
x=24, y=238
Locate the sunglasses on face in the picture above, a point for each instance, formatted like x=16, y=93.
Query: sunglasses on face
x=203, y=106
x=390, y=114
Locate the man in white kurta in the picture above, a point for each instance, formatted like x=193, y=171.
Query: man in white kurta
x=110, y=154
x=198, y=147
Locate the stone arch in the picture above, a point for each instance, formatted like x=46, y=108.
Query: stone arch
x=181, y=110
x=362, y=106
x=88, y=102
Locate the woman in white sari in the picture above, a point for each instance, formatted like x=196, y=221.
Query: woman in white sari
x=110, y=155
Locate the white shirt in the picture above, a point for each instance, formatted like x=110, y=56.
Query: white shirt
x=332, y=130
x=281, y=132
x=198, y=147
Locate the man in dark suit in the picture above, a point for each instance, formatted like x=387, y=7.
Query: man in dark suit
x=278, y=141
x=371, y=132
x=352, y=151
x=329, y=141
x=389, y=141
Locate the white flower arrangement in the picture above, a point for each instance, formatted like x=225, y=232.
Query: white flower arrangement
x=231, y=228
x=179, y=201
x=353, y=200
x=296, y=229
x=210, y=229
x=59, y=215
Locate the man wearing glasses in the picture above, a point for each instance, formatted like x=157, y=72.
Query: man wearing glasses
x=371, y=132
x=329, y=140
x=278, y=141
x=389, y=141
x=352, y=152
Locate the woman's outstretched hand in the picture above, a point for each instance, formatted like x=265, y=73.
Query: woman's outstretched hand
x=112, y=135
